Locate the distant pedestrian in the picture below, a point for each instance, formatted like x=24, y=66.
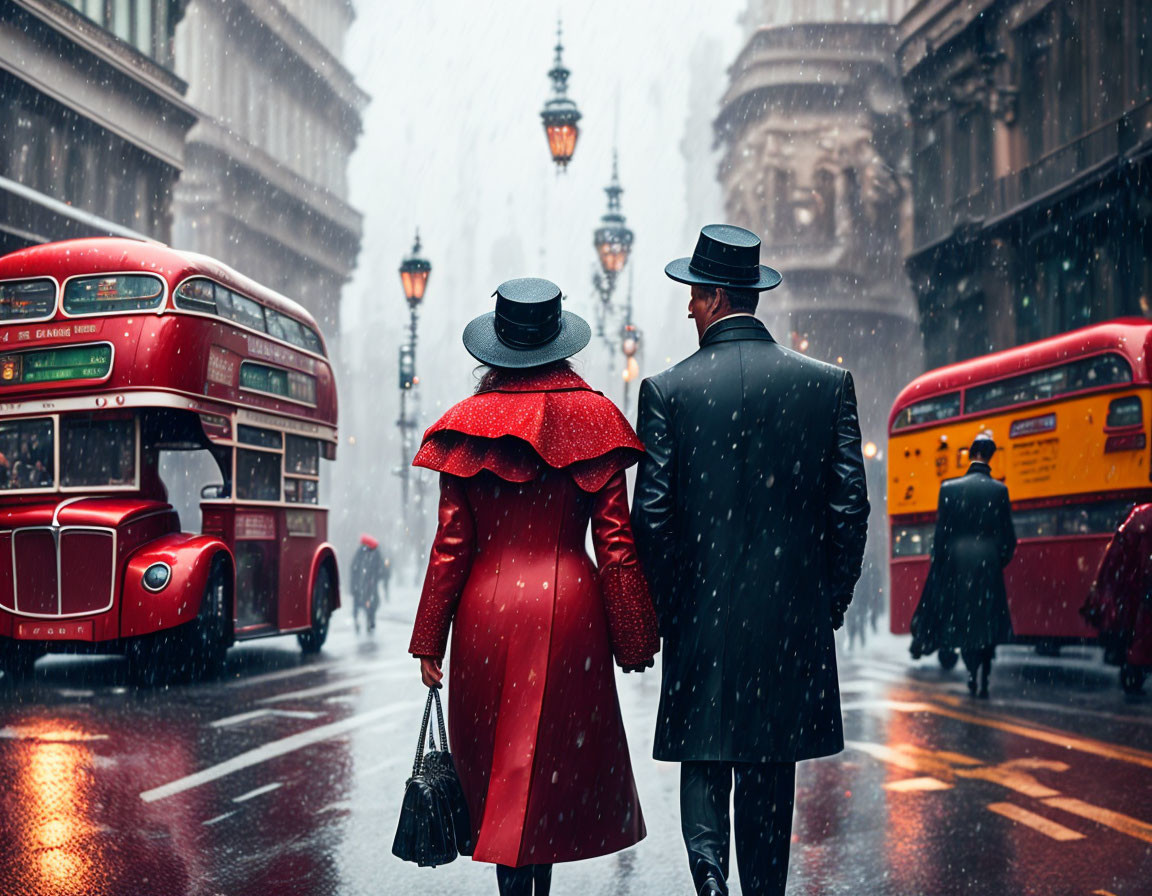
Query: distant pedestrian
x=1119, y=604
x=751, y=514
x=525, y=465
x=368, y=574
x=964, y=603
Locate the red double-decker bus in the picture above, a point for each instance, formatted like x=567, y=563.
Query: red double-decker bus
x=129, y=368
x=1070, y=416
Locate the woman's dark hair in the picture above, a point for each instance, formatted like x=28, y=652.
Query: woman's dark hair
x=489, y=376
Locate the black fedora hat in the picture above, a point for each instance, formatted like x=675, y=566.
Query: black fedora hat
x=528, y=327
x=725, y=256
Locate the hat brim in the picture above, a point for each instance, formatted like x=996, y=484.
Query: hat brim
x=484, y=345
x=680, y=270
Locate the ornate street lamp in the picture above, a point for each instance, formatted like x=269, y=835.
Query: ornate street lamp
x=414, y=273
x=612, y=239
x=560, y=115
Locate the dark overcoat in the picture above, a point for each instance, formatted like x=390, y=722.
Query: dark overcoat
x=750, y=516
x=964, y=603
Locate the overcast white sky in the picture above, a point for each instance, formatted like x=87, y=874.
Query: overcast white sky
x=453, y=143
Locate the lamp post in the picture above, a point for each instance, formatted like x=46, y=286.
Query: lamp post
x=560, y=115
x=630, y=340
x=613, y=243
x=414, y=271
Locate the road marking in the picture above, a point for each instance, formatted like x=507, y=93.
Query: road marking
x=924, y=763
x=1037, y=822
x=330, y=688
x=904, y=785
x=259, y=791
x=1008, y=774
x=218, y=818
x=1125, y=824
x=243, y=717
x=1054, y=737
x=338, y=668
x=274, y=749
x=49, y=736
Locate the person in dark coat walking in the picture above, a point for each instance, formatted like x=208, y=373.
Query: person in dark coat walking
x=750, y=514
x=964, y=603
x=368, y=573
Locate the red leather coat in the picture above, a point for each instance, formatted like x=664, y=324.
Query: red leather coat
x=1120, y=601
x=534, y=719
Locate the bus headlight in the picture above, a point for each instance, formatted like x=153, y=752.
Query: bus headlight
x=156, y=577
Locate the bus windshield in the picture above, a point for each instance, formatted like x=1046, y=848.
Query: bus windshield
x=24, y=299
x=121, y=292
x=27, y=454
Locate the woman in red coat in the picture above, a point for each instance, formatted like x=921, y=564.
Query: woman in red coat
x=534, y=719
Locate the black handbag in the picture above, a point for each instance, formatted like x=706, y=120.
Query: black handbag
x=434, y=827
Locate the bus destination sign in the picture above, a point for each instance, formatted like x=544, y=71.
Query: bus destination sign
x=80, y=362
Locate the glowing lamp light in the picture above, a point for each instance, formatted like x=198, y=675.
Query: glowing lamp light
x=631, y=371
x=414, y=272
x=560, y=115
x=613, y=239
x=870, y=450
x=629, y=346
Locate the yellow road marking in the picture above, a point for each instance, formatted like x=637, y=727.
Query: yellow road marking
x=1008, y=774
x=1056, y=738
x=947, y=756
x=1037, y=822
x=905, y=785
x=926, y=765
x=1125, y=824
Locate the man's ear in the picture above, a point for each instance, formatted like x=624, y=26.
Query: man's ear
x=719, y=298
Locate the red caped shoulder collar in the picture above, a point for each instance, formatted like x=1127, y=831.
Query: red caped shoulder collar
x=557, y=380
x=529, y=419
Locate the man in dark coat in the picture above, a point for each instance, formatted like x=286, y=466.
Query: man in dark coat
x=750, y=514
x=964, y=603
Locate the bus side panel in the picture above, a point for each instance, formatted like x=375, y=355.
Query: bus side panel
x=1047, y=583
x=908, y=575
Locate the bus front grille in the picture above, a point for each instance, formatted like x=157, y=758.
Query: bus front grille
x=57, y=573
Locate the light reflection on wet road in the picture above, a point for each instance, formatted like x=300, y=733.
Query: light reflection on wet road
x=286, y=777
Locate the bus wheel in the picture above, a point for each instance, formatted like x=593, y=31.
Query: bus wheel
x=312, y=640
x=16, y=662
x=1132, y=679
x=947, y=658
x=207, y=637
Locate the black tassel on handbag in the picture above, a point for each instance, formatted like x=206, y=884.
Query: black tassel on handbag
x=433, y=816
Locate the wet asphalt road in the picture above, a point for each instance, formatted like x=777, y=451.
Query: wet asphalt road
x=285, y=777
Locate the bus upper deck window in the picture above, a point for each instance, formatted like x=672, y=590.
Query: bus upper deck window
x=197, y=295
x=1125, y=412
x=27, y=299
x=930, y=410
x=118, y=292
x=240, y=309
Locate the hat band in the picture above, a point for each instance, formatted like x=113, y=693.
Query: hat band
x=515, y=334
x=736, y=273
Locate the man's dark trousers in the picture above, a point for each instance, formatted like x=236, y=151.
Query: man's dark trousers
x=765, y=792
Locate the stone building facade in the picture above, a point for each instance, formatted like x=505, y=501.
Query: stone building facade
x=94, y=119
x=265, y=186
x=813, y=128
x=1032, y=162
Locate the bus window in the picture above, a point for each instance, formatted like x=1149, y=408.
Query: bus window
x=283, y=327
x=1097, y=518
x=23, y=299
x=197, y=295
x=1088, y=373
x=290, y=384
x=240, y=309
x=303, y=456
x=261, y=438
x=122, y=292
x=312, y=340
x=1035, y=523
x=929, y=410
x=97, y=451
x=27, y=454
x=1125, y=412
x=257, y=475
x=912, y=541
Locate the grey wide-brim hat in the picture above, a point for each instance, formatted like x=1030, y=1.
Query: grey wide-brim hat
x=727, y=256
x=528, y=327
